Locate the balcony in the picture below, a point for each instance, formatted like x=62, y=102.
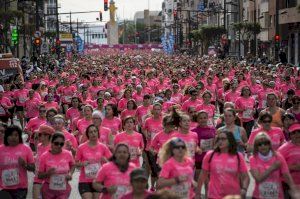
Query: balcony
x=289, y=15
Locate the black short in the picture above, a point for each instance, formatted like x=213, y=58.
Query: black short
x=16, y=193
x=155, y=168
x=19, y=108
x=85, y=187
x=198, y=165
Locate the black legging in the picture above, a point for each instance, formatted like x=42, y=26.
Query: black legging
x=248, y=127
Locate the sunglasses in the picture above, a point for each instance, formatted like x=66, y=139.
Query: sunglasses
x=179, y=147
x=264, y=143
x=297, y=102
x=267, y=121
x=61, y=144
x=96, y=118
x=43, y=111
x=295, y=132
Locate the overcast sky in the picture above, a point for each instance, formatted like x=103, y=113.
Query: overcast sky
x=126, y=8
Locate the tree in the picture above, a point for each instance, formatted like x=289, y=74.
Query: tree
x=207, y=35
x=247, y=31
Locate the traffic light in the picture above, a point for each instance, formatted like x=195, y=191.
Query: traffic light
x=14, y=36
x=105, y=5
x=100, y=15
x=37, y=41
x=57, y=42
x=277, y=41
x=175, y=14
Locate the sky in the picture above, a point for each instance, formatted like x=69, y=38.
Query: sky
x=126, y=8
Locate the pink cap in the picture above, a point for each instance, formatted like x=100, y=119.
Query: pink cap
x=294, y=127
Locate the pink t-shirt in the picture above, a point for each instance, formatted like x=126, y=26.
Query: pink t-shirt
x=122, y=104
x=33, y=125
x=110, y=175
x=270, y=187
x=104, y=134
x=135, y=143
x=172, y=168
x=67, y=93
x=49, y=105
x=152, y=126
x=223, y=171
x=62, y=163
x=40, y=151
x=177, y=98
x=126, y=113
x=32, y=107
x=160, y=139
x=72, y=113
x=21, y=96
x=247, y=104
x=70, y=138
x=12, y=175
x=190, y=103
x=141, y=112
x=113, y=124
x=191, y=140
x=4, y=103
x=275, y=133
x=291, y=154
x=82, y=125
x=232, y=96
x=94, y=155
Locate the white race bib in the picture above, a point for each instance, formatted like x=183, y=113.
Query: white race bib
x=91, y=170
x=121, y=191
x=247, y=114
x=58, y=182
x=22, y=100
x=206, y=144
x=268, y=190
x=68, y=98
x=133, y=152
x=191, y=148
x=210, y=122
x=10, y=177
x=264, y=103
x=182, y=190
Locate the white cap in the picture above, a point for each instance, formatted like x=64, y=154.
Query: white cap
x=1, y=88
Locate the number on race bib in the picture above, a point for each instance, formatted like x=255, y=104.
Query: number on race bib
x=22, y=99
x=269, y=190
x=182, y=190
x=121, y=191
x=10, y=177
x=206, y=144
x=191, y=148
x=133, y=152
x=91, y=170
x=68, y=98
x=58, y=182
x=247, y=114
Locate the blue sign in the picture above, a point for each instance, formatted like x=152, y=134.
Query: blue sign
x=79, y=43
x=201, y=6
x=69, y=48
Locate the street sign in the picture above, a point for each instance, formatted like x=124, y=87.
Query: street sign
x=201, y=6
x=79, y=43
x=69, y=48
x=65, y=37
x=37, y=34
x=44, y=48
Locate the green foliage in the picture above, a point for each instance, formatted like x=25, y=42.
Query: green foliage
x=248, y=30
x=130, y=32
x=207, y=35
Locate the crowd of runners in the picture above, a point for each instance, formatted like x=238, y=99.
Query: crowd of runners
x=141, y=124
